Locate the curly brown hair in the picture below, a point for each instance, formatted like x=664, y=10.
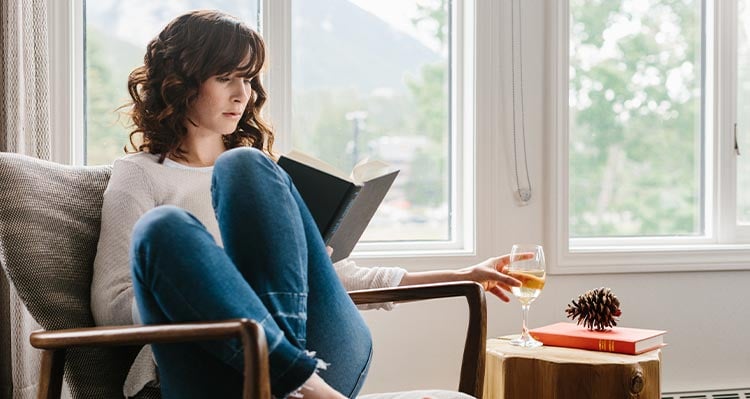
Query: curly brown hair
x=192, y=48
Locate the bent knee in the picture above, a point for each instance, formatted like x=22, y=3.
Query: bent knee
x=158, y=223
x=246, y=163
x=242, y=156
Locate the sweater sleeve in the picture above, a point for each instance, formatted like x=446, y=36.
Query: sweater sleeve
x=128, y=196
x=356, y=277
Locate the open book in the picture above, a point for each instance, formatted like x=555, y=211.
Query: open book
x=341, y=205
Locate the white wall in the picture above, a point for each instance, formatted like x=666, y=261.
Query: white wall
x=706, y=313
x=418, y=345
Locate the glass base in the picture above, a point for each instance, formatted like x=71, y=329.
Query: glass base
x=526, y=342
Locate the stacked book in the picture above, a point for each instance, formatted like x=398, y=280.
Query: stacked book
x=631, y=341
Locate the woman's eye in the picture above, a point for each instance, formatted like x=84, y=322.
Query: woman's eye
x=222, y=79
x=248, y=81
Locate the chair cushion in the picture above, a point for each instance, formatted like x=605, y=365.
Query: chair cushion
x=49, y=228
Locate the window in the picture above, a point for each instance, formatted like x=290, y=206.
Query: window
x=371, y=78
x=645, y=98
x=635, y=118
x=348, y=79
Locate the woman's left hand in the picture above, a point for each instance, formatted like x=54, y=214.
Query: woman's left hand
x=491, y=274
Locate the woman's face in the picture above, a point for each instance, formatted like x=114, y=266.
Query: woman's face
x=219, y=106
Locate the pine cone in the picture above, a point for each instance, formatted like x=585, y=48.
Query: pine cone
x=596, y=309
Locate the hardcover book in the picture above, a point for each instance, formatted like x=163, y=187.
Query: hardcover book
x=341, y=205
x=631, y=341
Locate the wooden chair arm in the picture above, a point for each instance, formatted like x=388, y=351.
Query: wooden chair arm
x=472, y=365
x=250, y=333
x=135, y=334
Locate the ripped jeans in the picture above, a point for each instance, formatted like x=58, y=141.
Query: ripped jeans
x=273, y=268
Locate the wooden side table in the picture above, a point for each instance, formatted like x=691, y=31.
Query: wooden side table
x=562, y=373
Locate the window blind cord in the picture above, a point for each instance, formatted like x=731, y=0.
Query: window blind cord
x=736, y=146
x=524, y=194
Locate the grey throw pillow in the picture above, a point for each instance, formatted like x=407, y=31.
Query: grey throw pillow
x=49, y=228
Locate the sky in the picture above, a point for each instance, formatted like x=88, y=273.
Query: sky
x=397, y=13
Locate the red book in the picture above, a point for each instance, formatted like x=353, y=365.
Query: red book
x=631, y=341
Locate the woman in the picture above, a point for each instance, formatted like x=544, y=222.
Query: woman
x=213, y=229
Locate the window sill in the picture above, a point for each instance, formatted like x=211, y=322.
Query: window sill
x=641, y=258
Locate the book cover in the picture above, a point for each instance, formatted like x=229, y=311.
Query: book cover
x=631, y=341
x=341, y=205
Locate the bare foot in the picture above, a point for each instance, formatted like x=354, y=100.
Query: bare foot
x=316, y=388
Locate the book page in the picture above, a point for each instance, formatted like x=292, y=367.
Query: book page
x=309, y=160
x=366, y=170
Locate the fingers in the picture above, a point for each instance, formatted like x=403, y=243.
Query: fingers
x=501, y=262
x=329, y=250
x=523, y=256
x=498, y=292
x=499, y=285
x=490, y=277
x=505, y=279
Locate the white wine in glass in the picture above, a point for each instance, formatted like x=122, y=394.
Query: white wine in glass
x=527, y=265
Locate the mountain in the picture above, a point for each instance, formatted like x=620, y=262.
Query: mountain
x=335, y=43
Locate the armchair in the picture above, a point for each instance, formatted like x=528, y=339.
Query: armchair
x=49, y=226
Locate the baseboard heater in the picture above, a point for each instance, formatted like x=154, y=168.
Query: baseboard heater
x=742, y=393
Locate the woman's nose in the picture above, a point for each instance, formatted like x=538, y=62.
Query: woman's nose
x=241, y=92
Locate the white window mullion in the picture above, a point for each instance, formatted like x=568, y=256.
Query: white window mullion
x=66, y=80
x=726, y=115
x=557, y=239
x=276, y=28
x=466, y=192
x=712, y=169
x=462, y=149
x=78, y=76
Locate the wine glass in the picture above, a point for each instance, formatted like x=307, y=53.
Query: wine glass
x=527, y=265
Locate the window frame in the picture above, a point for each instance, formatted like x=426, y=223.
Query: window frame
x=724, y=246
x=278, y=37
x=66, y=66
x=472, y=119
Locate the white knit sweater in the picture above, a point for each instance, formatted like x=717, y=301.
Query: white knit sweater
x=140, y=183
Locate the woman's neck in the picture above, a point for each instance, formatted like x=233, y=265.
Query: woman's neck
x=200, y=153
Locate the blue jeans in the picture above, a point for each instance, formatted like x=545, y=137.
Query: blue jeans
x=273, y=268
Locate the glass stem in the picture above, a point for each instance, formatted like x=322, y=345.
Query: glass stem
x=525, y=315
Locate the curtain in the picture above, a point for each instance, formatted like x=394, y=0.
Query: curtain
x=24, y=75
x=25, y=129
x=6, y=382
